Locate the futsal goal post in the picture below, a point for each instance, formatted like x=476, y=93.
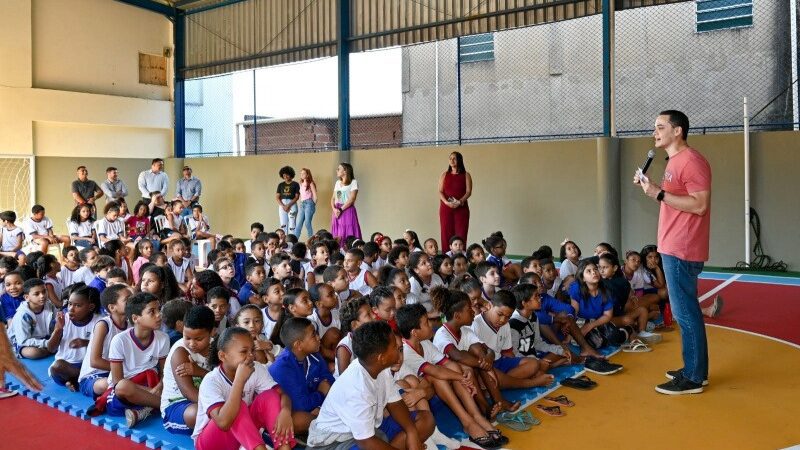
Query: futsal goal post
x=17, y=184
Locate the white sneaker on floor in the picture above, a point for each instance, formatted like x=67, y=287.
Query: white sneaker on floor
x=5, y=393
x=650, y=338
x=438, y=438
x=134, y=416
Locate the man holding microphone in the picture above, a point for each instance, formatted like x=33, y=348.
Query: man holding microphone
x=684, y=224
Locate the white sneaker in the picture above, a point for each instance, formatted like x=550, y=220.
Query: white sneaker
x=5, y=393
x=650, y=338
x=437, y=439
x=134, y=416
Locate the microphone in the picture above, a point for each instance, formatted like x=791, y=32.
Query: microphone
x=650, y=155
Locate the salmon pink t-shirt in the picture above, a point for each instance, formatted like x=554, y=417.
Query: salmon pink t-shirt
x=682, y=234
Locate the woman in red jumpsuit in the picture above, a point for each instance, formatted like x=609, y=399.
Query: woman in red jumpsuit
x=455, y=187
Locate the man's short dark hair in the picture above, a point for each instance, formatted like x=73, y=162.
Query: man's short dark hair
x=110, y=169
x=293, y=330
x=678, y=119
x=156, y=160
x=37, y=209
x=372, y=339
x=81, y=167
x=258, y=226
x=408, y=318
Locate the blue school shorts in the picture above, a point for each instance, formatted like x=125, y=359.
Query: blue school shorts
x=117, y=406
x=87, y=384
x=392, y=428
x=60, y=381
x=173, y=418
x=506, y=363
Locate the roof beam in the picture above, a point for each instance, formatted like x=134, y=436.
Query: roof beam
x=152, y=6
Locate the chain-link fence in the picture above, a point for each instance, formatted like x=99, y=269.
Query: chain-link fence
x=523, y=84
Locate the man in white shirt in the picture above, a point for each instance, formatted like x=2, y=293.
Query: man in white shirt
x=153, y=180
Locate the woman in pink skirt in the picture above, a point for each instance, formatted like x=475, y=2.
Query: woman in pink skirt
x=344, y=221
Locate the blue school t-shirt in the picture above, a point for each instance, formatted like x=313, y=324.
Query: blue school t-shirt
x=590, y=308
x=98, y=283
x=300, y=380
x=245, y=293
x=239, y=261
x=554, y=306
x=10, y=304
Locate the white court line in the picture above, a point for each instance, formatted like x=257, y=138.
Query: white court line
x=720, y=287
x=753, y=333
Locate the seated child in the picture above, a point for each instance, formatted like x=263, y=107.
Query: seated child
x=137, y=359
x=384, y=305
x=219, y=302
x=336, y=276
x=431, y=247
x=39, y=230
x=398, y=256
x=526, y=335
x=81, y=227
x=453, y=383
x=495, y=246
x=319, y=257
x=95, y=368
x=255, y=275
x=255, y=229
x=443, y=266
x=456, y=245
x=199, y=227
x=296, y=303
x=591, y=301
x=116, y=276
x=551, y=280
x=141, y=256
x=13, y=295
x=37, y=327
x=272, y=296
x=83, y=274
x=353, y=413
x=280, y=266
x=359, y=278
x=570, y=255
x=239, y=398
x=110, y=227
x=100, y=269
x=12, y=236
x=627, y=312
x=456, y=340
x=47, y=268
x=489, y=277
x=492, y=329
x=172, y=313
x=422, y=280
x=326, y=320
x=460, y=265
x=184, y=369
x=251, y=319
x=181, y=267
x=353, y=314
x=301, y=371
x=415, y=392
x=82, y=314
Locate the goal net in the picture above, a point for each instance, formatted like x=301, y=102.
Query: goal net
x=17, y=184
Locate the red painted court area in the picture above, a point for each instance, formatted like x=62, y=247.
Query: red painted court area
x=768, y=309
x=31, y=425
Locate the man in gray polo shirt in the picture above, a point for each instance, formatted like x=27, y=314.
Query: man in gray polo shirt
x=153, y=180
x=188, y=190
x=114, y=188
x=84, y=190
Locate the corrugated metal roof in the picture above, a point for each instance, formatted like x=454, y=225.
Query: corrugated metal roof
x=246, y=34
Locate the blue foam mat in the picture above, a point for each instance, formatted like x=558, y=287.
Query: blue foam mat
x=152, y=433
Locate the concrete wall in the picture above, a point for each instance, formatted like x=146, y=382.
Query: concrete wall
x=69, y=80
x=536, y=193
x=547, y=79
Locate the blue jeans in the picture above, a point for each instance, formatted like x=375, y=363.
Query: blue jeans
x=305, y=214
x=682, y=286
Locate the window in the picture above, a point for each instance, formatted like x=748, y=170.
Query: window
x=713, y=15
x=479, y=47
x=193, y=92
x=194, y=141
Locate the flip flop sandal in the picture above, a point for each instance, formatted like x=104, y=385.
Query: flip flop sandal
x=553, y=411
x=512, y=421
x=498, y=437
x=529, y=418
x=587, y=380
x=576, y=384
x=486, y=442
x=561, y=400
x=636, y=346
